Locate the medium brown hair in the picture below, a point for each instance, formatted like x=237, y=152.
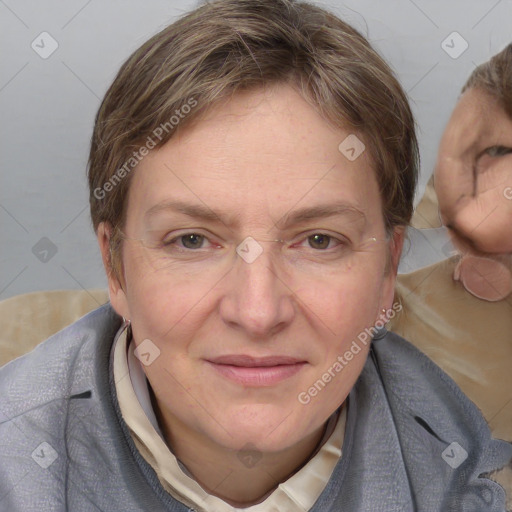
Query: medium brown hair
x=225, y=46
x=495, y=78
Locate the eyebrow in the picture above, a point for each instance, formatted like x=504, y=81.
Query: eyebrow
x=192, y=210
x=320, y=212
x=203, y=212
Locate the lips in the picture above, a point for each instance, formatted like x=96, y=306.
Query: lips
x=256, y=371
x=252, y=362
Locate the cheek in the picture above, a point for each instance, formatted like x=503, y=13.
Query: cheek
x=345, y=311
x=162, y=309
x=159, y=299
x=345, y=300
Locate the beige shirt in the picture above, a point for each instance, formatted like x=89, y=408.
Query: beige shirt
x=297, y=494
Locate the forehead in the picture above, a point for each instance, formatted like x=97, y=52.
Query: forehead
x=261, y=149
x=476, y=102
x=477, y=120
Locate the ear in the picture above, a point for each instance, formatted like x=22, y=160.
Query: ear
x=395, y=246
x=116, y=292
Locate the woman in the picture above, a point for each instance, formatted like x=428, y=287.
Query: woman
x=473, y=176
x=252, y=169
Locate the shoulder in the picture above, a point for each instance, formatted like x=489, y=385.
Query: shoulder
x=58, y=366
x=57, y=422
x=413, y=378
x=422, y=389
x=436, y=422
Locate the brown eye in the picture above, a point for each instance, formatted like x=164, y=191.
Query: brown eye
x=319, y=241
x=192, y=240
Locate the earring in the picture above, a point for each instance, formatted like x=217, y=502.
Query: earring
x=380, y=325
x=127, y=324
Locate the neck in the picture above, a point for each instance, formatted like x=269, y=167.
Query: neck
x=239, y=478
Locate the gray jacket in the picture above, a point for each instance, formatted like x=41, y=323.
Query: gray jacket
x=65, y=447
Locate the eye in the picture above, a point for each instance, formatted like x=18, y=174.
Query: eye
x=497, y=151
x=187, y=241
x=322, y=241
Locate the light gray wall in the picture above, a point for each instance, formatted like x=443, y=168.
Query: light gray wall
x=47, y=107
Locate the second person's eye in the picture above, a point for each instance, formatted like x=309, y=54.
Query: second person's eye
x=496, y=151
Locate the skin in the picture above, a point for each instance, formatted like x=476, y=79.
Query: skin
x=473, y=183
x=252, y=160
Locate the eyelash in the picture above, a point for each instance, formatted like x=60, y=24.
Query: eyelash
x=497, y=151
x=342, y=241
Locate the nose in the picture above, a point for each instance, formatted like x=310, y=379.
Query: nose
x=257, y=300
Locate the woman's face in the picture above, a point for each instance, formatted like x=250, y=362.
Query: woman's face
x=241, y=326
x=474, y=172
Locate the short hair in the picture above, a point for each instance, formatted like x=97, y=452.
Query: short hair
x=495, y=78
x=225, y=46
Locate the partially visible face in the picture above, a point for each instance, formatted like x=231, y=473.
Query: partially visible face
x=243, y=334
x=473, y=175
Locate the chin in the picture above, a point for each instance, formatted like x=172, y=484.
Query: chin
x=269, y=430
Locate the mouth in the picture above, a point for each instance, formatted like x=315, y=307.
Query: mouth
x=257, y=371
